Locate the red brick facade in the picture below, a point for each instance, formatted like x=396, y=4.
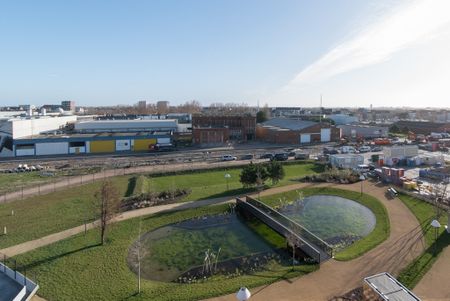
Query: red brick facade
x=284, y=136
x=220, y=129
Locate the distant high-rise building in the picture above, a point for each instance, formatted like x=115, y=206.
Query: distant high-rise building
x=68, y=105
x=142, y=104
x=162, y=107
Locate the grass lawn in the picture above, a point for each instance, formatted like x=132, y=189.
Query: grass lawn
x=424, y=213
x=379, y=233
x=68, y=208
x=79, y=269
x=46, y=214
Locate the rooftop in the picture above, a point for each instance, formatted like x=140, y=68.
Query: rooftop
x=288, y=124
x=390, y=288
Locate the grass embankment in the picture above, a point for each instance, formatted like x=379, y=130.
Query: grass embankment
x=38, y=216
x=46, y=214
x=79, y=269
x=377, y=236
x=424, y=213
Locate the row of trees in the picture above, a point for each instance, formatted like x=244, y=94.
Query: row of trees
x=257, y=174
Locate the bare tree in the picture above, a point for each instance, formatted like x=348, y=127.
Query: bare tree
x=108, y=204
x=439, y=197
x=292, y=242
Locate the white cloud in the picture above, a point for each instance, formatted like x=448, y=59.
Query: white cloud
x=404, y=26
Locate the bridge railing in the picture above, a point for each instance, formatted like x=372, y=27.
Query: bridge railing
x=281, y=229
x=297, y=228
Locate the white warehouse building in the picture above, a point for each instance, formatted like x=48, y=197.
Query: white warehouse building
x=350, y=161
x=137, y=125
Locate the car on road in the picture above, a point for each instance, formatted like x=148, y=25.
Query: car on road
x=247, y=157
x=266, y=156
x=280, y=157
x=228, y=158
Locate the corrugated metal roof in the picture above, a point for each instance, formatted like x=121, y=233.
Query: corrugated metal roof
x=289, y=124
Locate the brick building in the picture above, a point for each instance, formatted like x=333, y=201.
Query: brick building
x=209, y=130
x=290, y=131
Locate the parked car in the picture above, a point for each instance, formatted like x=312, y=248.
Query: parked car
x=364, y=149
x=377, y=149
x=280, y=157
x=330, y=151
x=228, y=158
x=299, y=155
x=247, y=157
x=266, y=156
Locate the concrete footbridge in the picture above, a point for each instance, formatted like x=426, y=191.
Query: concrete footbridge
x=305, y=240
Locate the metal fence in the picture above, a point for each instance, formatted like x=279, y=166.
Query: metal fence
x=152, y=168
x=295, y=227
x=12, y=269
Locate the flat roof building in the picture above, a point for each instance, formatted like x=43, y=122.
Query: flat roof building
x=384, y=287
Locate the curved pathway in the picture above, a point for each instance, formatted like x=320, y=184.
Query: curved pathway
x=335, y=278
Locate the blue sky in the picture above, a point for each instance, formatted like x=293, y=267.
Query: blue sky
x=355, y=53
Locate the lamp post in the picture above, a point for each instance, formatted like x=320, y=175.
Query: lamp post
x=362, y=178
x=436, y=225
x=243, y=294
x=227, y=177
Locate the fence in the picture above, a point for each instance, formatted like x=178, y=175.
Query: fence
x=9, y=267
x=152, y=168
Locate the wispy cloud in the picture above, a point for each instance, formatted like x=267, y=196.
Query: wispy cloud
x=401, y=27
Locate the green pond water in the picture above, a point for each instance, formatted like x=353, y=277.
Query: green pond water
x=337, y=220
x=171, y=250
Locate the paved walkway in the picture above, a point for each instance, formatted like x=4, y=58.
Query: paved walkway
x=335, y=278
x=435, y=285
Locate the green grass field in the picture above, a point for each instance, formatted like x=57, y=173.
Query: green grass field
x=377, y=236
x=424, y=213
x=79, y=269
x=53, y=212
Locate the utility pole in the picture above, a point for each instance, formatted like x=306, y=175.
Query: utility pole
x=139, y=257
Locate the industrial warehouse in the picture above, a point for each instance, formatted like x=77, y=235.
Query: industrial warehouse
x=66, y=135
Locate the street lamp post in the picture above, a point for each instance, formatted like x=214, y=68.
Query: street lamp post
x=436, y=225
x=243, y=294
x=362, y=178
x=227, y=177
